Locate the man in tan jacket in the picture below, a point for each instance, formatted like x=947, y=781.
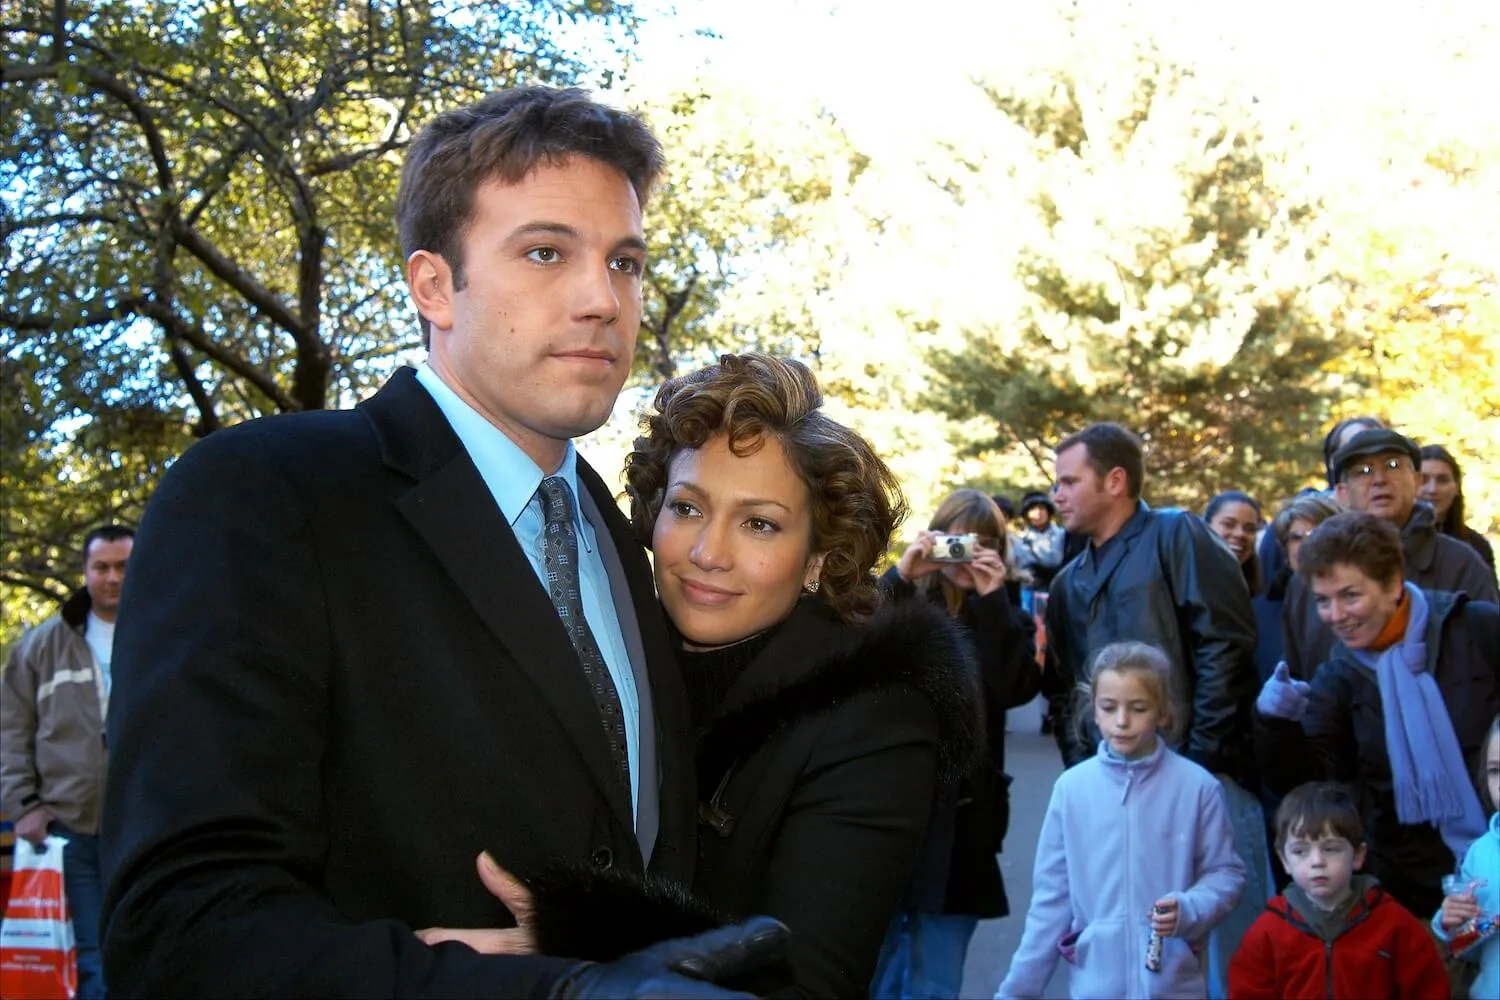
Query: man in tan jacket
x=52, y=753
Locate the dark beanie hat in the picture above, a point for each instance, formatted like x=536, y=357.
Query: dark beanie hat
x=1037, y=500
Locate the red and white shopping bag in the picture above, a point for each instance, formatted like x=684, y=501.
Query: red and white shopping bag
x=37, y=957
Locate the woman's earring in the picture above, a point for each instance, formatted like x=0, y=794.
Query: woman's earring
x=811, y=588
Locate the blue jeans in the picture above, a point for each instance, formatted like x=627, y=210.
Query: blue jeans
x=85, y=891
x=923, y=956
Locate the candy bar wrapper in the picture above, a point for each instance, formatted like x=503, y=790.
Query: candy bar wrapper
x=1472, y=934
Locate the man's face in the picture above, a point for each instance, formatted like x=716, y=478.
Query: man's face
x=542, y=334
x=104, y=574
x=1084, y=499
x=1384, y=484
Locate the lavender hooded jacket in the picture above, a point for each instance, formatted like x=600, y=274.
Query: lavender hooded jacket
x=1118, y=836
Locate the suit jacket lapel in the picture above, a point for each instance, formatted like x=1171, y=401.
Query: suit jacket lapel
x=453, y=511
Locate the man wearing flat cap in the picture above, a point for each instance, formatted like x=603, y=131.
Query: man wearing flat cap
x=1378, y=471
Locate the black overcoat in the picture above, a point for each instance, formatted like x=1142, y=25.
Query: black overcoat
x=817, y=775
x=337, y=680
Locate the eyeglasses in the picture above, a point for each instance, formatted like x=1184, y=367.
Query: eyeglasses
x=1362, y=473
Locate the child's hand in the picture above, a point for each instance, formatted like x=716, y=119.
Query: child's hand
x=1164, y=916
x=1458, y=910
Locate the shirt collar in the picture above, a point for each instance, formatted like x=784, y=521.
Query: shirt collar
x=510, y=474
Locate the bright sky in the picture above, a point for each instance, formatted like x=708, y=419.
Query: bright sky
x=889, y=75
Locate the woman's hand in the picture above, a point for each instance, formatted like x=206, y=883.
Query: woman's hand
x=914, y=563
x=988, y=571
x=1458, y=910
x=517, y=940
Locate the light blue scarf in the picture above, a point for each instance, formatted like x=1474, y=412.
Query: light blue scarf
x=1430, y=781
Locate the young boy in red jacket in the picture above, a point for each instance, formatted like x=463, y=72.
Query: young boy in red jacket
x=1334, y=933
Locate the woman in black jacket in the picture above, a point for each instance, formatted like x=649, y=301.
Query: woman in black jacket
x=958, y=881
x=826, y=721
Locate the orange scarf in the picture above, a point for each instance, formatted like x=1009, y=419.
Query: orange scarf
x=1395, y=628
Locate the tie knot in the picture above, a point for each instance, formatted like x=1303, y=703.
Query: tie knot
x=557, y=500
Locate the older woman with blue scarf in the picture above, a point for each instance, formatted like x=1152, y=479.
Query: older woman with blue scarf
x=1399, y=711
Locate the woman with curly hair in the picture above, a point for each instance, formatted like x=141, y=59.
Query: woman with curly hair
x=827, y=720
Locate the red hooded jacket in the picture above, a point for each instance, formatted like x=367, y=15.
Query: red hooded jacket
x=1381, y=951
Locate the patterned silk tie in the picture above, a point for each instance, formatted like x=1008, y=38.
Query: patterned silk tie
x=560, y=554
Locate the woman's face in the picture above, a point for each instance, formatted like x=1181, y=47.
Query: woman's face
x=1439, y=487
x=733, y=542
x=1237, y=523
x=1354, y=605
x=1296, y=533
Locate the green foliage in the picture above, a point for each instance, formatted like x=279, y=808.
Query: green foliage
x=1167, y=286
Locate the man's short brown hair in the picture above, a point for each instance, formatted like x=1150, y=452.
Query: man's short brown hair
x=1311, y=809
x=1355, y=538
x=507, y=135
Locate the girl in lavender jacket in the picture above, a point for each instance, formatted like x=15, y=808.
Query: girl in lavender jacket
x=1135, y=839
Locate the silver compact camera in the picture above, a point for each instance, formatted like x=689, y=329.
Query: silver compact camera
x=954, y=548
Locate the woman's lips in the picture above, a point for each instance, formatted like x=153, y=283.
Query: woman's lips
x=702, y=593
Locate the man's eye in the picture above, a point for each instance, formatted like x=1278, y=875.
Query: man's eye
x=626, y=265
x=544, y=255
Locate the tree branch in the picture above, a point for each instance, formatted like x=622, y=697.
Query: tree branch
x=176, y=326
x=256, y=294
x=208, y=419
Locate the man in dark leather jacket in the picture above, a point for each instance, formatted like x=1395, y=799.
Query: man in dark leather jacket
x=1157, y=576
x=1379, y=471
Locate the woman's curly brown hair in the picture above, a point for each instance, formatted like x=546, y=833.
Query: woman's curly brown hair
x=856, y=501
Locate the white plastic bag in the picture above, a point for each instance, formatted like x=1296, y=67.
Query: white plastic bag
x=38, y=960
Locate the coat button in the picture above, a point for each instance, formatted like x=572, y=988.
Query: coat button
x=603, y=858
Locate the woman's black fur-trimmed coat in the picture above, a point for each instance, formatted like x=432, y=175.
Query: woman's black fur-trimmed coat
x=817, y=776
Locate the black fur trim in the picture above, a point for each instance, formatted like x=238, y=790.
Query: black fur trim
x=910, y=643
x=580, y=911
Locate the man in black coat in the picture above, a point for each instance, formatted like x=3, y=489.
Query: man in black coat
x=1379, y=471
x=1156, y=576
x=339, y=674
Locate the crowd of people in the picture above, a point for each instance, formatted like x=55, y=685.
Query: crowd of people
x=417, y=716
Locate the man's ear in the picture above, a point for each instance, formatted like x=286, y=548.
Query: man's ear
x=1116, y=482
x=430, y=280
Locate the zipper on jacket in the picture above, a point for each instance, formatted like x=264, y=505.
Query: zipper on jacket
x=1328, y=964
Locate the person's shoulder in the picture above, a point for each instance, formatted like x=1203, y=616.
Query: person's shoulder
x=1188, y=773
x=283, y=441
x=41, y=633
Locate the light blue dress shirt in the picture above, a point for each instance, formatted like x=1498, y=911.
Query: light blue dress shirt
x=513, y=478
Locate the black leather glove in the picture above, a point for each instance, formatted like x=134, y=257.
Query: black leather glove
x=682, y=967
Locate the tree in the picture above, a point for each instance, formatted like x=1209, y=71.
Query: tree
x=747, y=185
x=1169, y=284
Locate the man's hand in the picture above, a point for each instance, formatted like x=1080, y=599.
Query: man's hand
x=684, y=967
x=33, y=826
x=517, y=940
x=1164, y=916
